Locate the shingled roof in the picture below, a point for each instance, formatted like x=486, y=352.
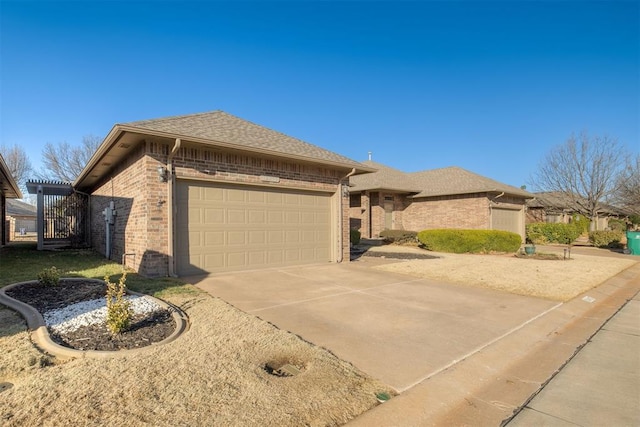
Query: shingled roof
x=18, y=208
x=221, y=127
x=431, y=183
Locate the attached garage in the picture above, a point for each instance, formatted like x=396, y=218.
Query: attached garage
x=507, y=220
x=226, y=227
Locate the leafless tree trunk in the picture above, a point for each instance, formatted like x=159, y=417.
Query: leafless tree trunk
x=18, y=163
x=584, y=170
x=64, y=162
x=628, y=194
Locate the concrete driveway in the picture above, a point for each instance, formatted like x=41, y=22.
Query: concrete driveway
x=396, y=328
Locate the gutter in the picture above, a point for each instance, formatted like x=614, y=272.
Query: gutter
x=171, y=210
x=341, y=215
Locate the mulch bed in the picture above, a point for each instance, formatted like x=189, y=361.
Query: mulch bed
x=145, y=329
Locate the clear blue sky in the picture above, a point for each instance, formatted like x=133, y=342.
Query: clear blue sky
x=487, y=86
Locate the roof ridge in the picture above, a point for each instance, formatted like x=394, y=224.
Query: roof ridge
x=181, y=116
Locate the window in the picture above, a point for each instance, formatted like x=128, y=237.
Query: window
x=354, y=200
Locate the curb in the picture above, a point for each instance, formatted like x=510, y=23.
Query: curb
x=41, y=338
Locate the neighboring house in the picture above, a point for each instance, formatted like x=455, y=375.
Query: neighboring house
x=553, y=206
x=21, y=217
x=8, y=190
x=211, y=192
x=441, y=198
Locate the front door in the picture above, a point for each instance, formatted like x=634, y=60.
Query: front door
x=388, y=212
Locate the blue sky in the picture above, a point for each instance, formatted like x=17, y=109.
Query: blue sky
x=487, y=86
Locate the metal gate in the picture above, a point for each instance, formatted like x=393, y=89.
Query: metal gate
x=66, y=220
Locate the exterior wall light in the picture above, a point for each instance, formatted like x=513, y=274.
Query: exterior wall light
x=162, y=174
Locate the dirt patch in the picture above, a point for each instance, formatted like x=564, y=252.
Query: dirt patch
x=557, y=279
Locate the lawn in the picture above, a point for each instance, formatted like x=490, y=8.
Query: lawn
x=214, y=374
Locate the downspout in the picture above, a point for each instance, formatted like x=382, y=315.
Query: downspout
x=340, y=215
x=171, y=208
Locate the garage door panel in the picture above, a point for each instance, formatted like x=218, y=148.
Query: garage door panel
x=209, y=194
x=506, y=219
x=213, y=238
x=276, y=217
x=214, y=216
x=226, y=228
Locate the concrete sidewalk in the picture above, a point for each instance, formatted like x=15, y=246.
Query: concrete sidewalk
x=600, y=385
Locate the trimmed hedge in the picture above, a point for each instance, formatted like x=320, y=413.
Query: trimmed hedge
x=470, y=241
x=552, y=232
x=605, y=239
x=399, y=236
x=354, y=236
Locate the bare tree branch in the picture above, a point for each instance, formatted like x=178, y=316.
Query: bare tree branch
x=64, y=162
x=628, y=187
x=18, y=163
x=585, y=170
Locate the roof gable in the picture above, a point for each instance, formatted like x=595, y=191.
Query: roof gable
x=218, y=126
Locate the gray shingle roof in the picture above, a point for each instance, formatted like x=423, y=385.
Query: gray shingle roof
x=431, y=183
x=18, y=208
x=218, y=126
x=455, y=180
x=385, y=177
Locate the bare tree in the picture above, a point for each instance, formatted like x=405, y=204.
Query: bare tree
x=18, y=163
x=64, y=162
x=584, y=170
x=628, y=194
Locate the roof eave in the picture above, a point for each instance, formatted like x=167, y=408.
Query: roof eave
x=458, y=193
x=13, y=186
x=119, y=129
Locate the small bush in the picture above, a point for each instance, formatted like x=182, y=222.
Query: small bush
x=581, y=222
x=354, y=237
x=399, y=236
x=119, y=311
x=617, y=225
x=548, y=232
x=49, y=277
x=605, y=239
x=470, y=241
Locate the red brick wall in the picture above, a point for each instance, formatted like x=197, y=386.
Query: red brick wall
x=127, y=185
x=142, y=225
x=468, y=211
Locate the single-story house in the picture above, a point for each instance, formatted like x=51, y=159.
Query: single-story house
x=8, y=190
x=452, y=197
x=21, y=217
x=554, y=206
x=211, y=192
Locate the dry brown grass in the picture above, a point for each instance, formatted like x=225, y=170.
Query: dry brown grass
x=212, y=375
x=555, y=280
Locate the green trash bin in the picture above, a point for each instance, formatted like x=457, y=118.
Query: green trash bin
x=633, y=242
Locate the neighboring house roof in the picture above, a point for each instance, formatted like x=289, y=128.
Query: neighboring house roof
x=384, y=177
x=19, y=208
x=431, y=183
x=8, y=184
x=556, y=201
x=455, y=180
x=217, y=129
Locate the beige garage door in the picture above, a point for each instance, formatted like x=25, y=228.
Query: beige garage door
x=228, y=228
x=506, y=219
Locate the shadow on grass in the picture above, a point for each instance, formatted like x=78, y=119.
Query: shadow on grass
x=21, y=262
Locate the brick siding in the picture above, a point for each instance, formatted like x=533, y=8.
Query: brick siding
x=141, y=199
